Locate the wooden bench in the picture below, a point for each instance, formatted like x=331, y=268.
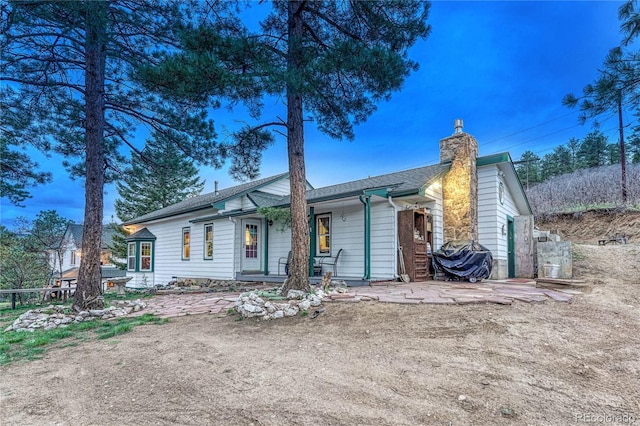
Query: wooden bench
x=64, y=291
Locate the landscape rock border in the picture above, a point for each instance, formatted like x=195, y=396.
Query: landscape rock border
x=54, y=316
x=265, y=304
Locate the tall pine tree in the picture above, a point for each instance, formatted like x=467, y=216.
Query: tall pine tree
x=616, y=86
x=331, y=61
x=70, y=67
x=159, y=176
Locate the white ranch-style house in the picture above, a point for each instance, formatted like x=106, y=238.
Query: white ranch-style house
x=356, y=228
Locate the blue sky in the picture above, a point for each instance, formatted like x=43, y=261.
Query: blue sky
x=503, y=67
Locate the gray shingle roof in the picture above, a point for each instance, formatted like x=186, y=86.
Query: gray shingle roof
x=206, y=200
x=396, y=183
x=143, y=234
x=264, y=199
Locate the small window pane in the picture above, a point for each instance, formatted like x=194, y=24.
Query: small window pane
x=131, y=256
x=323, y=235
x=145, y=256
x=186, y=243
x=208, y=241
x=251, y=242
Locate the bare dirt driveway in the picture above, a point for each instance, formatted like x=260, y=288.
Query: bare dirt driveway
x=360, y=363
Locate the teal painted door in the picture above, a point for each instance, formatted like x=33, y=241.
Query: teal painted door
x=511, y=249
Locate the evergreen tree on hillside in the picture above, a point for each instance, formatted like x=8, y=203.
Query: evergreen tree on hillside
x=528, y=168
x=573, y=145
x=613, y=153
x=634, y=146
x=161, y=175
x=593, y=150
x=556, y=163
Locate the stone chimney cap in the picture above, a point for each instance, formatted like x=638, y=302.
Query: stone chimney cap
x=457, y=125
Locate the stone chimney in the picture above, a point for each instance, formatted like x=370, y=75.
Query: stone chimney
x=460, y=186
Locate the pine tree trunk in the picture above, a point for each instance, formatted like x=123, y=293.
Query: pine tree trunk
x=89, y=290
x=299, y=267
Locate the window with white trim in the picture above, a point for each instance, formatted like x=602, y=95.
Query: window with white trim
x=73, y=257
x=145, y=256
x=186, y=243
x=208, y=241
x=131, y=256
x=323, y=235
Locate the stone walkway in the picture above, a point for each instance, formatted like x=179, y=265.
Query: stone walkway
x=431, y=292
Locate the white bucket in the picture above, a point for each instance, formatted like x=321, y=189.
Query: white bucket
x=551, y=270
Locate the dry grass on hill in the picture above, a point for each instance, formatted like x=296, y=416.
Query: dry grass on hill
x=590, y=226
x=585, y=189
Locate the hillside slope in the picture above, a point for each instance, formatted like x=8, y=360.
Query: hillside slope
x=590, y=226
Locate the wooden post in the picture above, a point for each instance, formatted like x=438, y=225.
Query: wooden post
x=524, y=247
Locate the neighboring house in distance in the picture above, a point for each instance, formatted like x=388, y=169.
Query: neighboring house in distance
x=357, y=225
x=71, y=249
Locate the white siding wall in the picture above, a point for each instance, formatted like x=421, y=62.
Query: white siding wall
x=383, y=237
x=223, y=249
x=492, y=214
x=141, y=279
x=280, y=187
x=349, y=236
x=507, y=208
x=488, y=209
x=233, y=204
x=436, y=207
x=70, y=246
x=279, y=246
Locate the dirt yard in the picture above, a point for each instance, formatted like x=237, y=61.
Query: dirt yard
x=360, y=363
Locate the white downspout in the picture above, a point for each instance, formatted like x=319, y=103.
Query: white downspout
x=395, y=236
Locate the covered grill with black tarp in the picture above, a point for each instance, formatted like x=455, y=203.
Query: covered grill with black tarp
x=467, y=260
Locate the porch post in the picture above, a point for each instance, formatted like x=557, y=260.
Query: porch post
x=266, y=246
x=365, y=199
